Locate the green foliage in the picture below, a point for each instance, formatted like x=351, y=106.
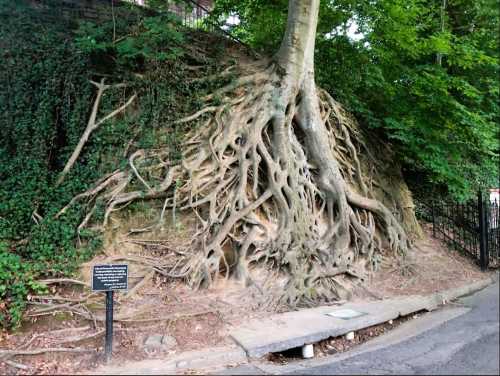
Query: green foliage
x=43, y=112
x=44, y=108
x=155, y=38
x=16, y=282
x=262, y=24
x=442, y=119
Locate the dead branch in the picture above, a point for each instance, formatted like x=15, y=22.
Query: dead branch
x=226, y=72
x=84, y=312
x=174, y=316
x=197, y=114
x=65, y=330
x=49, y=309
x=63, y=299
x=83, y=338
x=63, y=280
x=17, y=365
x=11, y=353
x=143, y=281
x=92, y=124
x=99, y=186
x=138, y=153
x=37, y=218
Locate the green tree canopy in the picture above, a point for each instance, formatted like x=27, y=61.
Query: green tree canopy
x=381, y=59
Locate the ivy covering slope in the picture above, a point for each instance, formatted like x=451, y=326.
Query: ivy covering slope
x=45, y=102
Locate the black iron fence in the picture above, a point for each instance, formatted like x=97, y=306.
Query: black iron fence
x=471, y=227
x=192, y=13
x=195, y=14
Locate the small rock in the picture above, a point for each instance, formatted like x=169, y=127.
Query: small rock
x=391, y=322
x=160, y=342
x=349, y=336
x=153, y=341
x=168, y=342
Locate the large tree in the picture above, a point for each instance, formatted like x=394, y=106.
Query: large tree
x=274, y=175
x=442, y=118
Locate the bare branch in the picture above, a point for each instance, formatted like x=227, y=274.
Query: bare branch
x=92, y=125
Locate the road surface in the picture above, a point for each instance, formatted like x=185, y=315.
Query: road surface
x=460, y=339
x=468, y=344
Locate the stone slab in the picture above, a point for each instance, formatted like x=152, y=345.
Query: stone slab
x=293, y=329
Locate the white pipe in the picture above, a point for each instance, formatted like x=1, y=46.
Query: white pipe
x=308, y=351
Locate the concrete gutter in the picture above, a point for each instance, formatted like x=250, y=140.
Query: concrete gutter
x=287, y=330
x=397, y=335
x=294, y=329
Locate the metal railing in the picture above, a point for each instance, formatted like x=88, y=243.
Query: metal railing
x=472, y=227
x=195, y=15
x=192, y=14
x=493, y=231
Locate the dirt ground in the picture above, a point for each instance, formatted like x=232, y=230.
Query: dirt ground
x=431, y=266
x=71, y=319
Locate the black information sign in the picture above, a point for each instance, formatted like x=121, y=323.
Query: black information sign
x=110, y=277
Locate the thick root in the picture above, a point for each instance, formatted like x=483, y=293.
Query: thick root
x=274, y=178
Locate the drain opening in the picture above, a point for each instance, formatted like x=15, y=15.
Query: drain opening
x=340, y=344
x=286, y=356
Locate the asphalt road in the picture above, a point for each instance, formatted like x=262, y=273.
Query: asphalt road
x=468, y=344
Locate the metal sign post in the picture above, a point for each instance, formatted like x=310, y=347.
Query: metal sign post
x=109, y=278
x=108, y=348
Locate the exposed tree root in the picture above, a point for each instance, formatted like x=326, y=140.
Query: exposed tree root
x=62, y=280
x=17, y=365
x=93, y=124
x=82, y=338
x=81, y=310
x=5, y=354
x=275, y=177
x=170, y=317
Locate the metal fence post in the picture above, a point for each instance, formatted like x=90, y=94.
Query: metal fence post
x=483, y=236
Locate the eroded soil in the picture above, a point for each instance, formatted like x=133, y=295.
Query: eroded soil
x=196, y=319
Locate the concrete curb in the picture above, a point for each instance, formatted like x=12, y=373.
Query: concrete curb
x=458, y=292
x=220, y=357
x=294, y=329
x=437, y=299
x=208, y=358
x=398, y=335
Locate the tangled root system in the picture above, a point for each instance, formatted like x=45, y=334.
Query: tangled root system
x=275, y=180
